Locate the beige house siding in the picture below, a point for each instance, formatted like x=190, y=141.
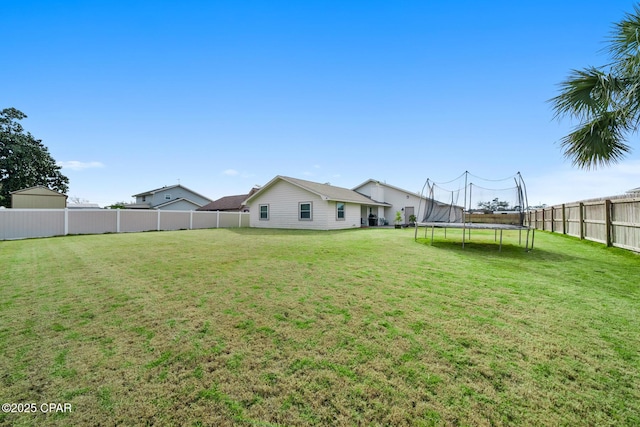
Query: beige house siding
x=38, y=198
x=398, y=199
x=284, y=199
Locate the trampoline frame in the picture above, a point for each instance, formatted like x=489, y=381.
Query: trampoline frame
x=479, y=226
x=466, y=209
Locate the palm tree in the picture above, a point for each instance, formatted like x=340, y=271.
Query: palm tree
x=605, y=100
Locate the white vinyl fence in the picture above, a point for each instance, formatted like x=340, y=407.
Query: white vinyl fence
x=27, y=223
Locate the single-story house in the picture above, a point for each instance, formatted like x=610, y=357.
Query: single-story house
x=38, y=197
x=174, y=197
x=229, y=203
x=286, y=202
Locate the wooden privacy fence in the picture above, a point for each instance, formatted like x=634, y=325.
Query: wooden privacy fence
x=613, y=222
x=27, y=223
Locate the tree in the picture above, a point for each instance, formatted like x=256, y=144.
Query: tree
x=24, y=161
x=494, y=205
x=605, y=100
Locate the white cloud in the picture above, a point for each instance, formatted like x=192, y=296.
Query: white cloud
x=78, y=166
x=231, y=172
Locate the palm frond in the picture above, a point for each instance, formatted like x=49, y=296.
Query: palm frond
x=587, y=93
x=599, y=142
x=625, y=37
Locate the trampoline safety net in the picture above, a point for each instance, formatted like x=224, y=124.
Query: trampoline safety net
x=469, y=198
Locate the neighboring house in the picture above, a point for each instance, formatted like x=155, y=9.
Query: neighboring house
x=286, y=202
x=174, y=197
x=229, y=203
x=38, y=197
x=634, y=192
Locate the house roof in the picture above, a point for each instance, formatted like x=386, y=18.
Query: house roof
x=181, y=199
x=165, y=188
x=423, y=197
x=39, y=188
x=375, y=181
x=325, y=191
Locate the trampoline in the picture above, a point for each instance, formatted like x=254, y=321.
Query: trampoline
x=483, y=208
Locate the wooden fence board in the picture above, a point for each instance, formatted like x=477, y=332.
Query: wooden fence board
x=613, y=222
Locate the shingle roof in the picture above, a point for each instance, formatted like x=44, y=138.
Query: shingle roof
x=326, y=191
x=154, y=191
x=151, y=192
x=226, y=203
x=181, y=199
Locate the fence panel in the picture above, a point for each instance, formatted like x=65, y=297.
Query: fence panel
x=557, y=219
x=229, y=220
x=548, y=219
x=625, y=220
x=26, y=223
x=174, y=220
x=138, y=220
x=614, y=221
x=574, y=219
x=205, y=219
x=92, y=221
x=594, y=222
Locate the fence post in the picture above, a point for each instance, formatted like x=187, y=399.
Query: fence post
x=553, y=219
x=190, y=220
x=564, y=220
x=239, y=219
x=158, y=226
x=607, y=221
x=66, y=221
x=218, y=219
x=118, y=220
x=543, y=224
x=582, y=224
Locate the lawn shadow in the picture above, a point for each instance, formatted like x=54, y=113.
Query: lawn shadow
x=484, y=248
x=253, y=231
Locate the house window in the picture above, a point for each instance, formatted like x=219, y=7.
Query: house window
x=167, y=196
x=264, y=212
x=340, y=211
x=305, y=212
x=144, y=198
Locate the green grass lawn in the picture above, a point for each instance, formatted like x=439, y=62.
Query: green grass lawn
x=291, y=328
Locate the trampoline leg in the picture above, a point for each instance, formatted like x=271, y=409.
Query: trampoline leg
x=500, y=250
x=432, y=235
x=533, y=233
x=533, y=236
x=495, y=235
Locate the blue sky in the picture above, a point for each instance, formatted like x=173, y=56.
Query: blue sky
x=222, y=95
